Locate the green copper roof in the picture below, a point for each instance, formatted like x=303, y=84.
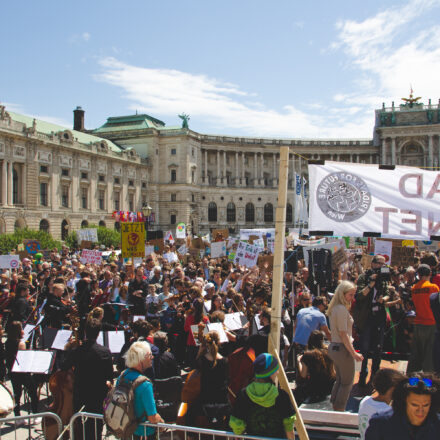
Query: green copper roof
x=49, y=128
x=133, y=122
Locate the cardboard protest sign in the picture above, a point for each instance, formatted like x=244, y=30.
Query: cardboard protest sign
x=91, y=257
x=197, y=243
x=265, y=262
x=253, y=238
x=366, y=261
x=402, y=256
x=195, y=253
x=32, y=247
x=247, y=254
x=338, y=258
x=218, y=249
x=9, y=261
x=220, y=234
x=86, y=245
x=157, y=244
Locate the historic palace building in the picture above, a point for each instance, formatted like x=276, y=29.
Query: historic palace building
x=58, y=179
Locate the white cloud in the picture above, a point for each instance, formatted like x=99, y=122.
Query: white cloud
x=85, y=36
x=79, y=38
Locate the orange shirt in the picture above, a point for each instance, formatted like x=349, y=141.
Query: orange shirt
x=420, y=296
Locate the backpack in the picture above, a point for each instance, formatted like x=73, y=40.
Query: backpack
x=119, y=415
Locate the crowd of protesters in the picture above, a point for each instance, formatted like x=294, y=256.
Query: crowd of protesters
x=362, y=312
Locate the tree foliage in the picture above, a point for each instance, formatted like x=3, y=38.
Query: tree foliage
x=9, y=242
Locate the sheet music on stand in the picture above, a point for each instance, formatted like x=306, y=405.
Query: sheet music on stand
x=137, y=317
x=217, y=326
x=235, y=321
x=61, y=339
x=28, y=329
x=49, y=335
x=113, y=340
x=33, y=361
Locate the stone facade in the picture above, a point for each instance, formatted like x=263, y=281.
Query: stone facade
x=204, y=181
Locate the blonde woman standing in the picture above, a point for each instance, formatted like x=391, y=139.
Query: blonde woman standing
x=341, y=349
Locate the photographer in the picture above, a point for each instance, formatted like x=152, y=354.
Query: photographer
x=369, y=314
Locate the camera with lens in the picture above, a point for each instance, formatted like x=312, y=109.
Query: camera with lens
x=383, y=275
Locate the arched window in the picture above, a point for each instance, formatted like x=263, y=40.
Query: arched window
x=289, y=213
x=250, y=212
x=102, y=224
x=64, y=229
x=15, y=199
x=84, y=224
x=44, y=225
x=230, y=213
x=19, y=224
x=268, y=213
x=212, y=212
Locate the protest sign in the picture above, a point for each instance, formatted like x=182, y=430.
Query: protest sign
x=271, y=244
x=9, y=261
x=408, y=243
x=195, y=253
x=157, y=245
x=197, y=243
x=338, y=258
x=262, y=232
x=90, y=234
x=220, y=234
x=86, y=244
x=247, y=254
x=253, y=238
x=149, y=250
x=133, y=239
x=218, y=249
x=181, y=230
x=32, y=247
x=182, y=250
x=384, y=248
x=428, y=246
x=402, y=256
x=259, y=242
x=346, y=198
x=333, y=247
x=91, y=257
x=366, y=261
x=169, y=237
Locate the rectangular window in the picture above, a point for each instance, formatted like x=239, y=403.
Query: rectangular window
x=101, y=178
x=117, y=181
x=193, y=199
x=131, y=183
x=144, y=184
x=173, y=151
x=65, y=196
x=84, y=175
x=84, y=192
x=101, y=198
x=65, y=172
x=43, y=193
x=173, y=219
x=116, y=199
x=173, y=175
x=43, y=169
x=131, y=202
x=173, y=197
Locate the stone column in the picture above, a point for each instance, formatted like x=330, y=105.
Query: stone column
x=242, y=168
x=10, y=173
x=23, y=184
x=124, y=193
x=292, y=167
x=205, y=180
x=255, y=168
x=393, y=151
x=262, y=167
x=430, y=151
x=383, y=152
x=218, y=168
x=55, y=186
x=93, y=195
x=236, y=169
x=274, y=169
x=4, y=183
x=75, y=187
x=110, y=205
x=338, y=157
x=224, y=168
x=371, y=158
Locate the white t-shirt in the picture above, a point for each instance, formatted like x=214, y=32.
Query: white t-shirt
x=367, y=408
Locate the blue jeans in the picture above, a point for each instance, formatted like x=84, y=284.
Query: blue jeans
x=371, y=343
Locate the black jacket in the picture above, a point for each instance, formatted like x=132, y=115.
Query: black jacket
x=390, y=425
x=138, y=302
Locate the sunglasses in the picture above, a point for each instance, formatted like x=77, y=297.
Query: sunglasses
x=413, y=381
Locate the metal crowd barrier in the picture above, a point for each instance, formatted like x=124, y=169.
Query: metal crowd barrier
x=164, y=430
x=30, y=427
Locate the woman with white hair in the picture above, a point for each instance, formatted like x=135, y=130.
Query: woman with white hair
x=341, y=349
x=138, y=358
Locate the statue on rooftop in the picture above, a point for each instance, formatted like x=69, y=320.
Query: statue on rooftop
x=411, y=101
x=185, y=118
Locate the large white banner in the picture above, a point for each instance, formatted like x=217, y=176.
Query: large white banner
x=350, y=199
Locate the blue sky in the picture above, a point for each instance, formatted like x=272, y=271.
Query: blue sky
x=279, y=69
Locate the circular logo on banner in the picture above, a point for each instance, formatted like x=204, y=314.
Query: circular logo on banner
x=133, y=239
x=343, y=197
x=14, y=264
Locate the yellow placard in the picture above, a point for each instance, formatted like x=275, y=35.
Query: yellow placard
x=408, y=243
x=133, y=240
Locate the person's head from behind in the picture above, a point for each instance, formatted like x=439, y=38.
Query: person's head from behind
x=424, y=272
x=210, y=345
x=93, y=327
x=416, y=397
x=138, y=356
x=385, y=381
x=316, y=340
x=160, y=340
x=265, y=368
x=141, y=328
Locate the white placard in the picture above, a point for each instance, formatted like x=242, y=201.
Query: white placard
x=428, y=246
x=116, y=340
x=384, y=248
x=9, y=261
x=259, y=243
x=271, y=244
x=349, y=199
x=149, y=250
x=33, y=361
x=218, y=249
x=262, y=232
x=89, y=256
x=246, y=254
x=182, y=250
x=90, y=234
x=61, y=339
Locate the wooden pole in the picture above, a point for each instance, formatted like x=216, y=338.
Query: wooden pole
x=278, y=259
